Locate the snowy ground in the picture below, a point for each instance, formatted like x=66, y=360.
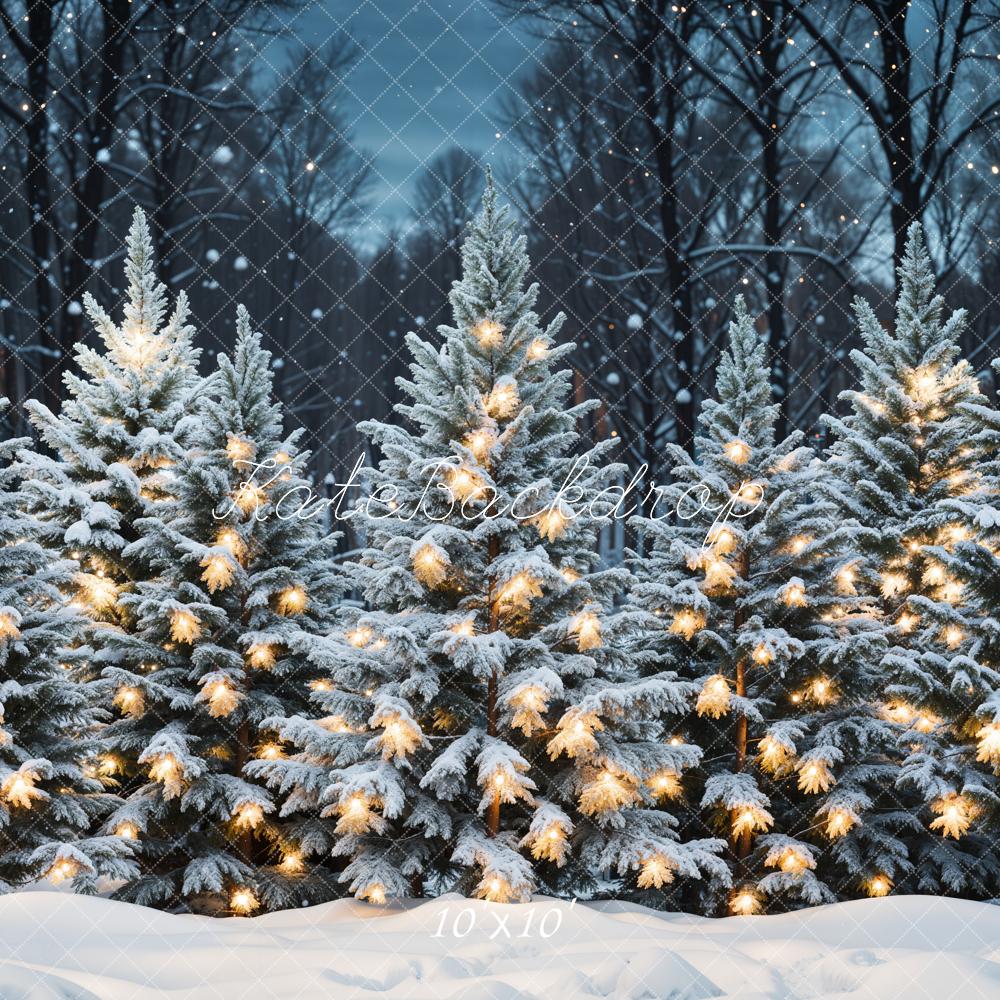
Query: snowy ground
x=53, y=945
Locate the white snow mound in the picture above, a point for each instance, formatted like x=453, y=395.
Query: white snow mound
x=78, y=948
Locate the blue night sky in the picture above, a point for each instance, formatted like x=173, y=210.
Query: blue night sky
x=432, y=75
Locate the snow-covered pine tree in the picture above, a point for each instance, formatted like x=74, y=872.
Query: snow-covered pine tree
x=740, y=588
x=484, y=731
x=48, y=799
x=114, y=443
x=245, y=582
x=907, y=470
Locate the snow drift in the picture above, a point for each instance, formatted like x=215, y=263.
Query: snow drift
x=54, y=945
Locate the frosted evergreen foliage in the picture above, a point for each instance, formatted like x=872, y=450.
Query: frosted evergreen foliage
x=740, y=590
x=243, y=585
x=484, y=731
x=915, y=468
x=51, y=794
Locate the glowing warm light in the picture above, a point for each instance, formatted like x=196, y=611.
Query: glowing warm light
x=184, y=626
x=575, y=735
x=821, y=691
x=239, y=449
x=744, y=903
x=529, y=703
x=952, y=591
x=551, y=523
x=952, y=636
x=988, y=747
x=270, y=751
x=218, y=572
x=375, y=894
x=954, y=815
x=230, y=540
x=686, y=623
x=957, y=533
x=815, y=776
x=586, y=626
x=537, y=350
x=894, y=583
x=166, y=770
x=569, y=574
x=906, y=622
x=489, y=333
x=399, y=737
x=714, y=698
x=222, y=698
x=846, y=579
x=248, y=816
x=517, y=592
x=550, y=845
x=774, y=756
x=722, y=540
x=665, y=784
x=719, y=574
x=8, y=627
x=750, y=493
x=127, y=831
x=503, y=401
x=737, y=451
x=19, y=789
x=262, y=655
x=62, y=870
x=249, y=497
x=291, y=863
x=320, y=684
x=606, y=793
x=479, y=442
x=243, y=902
x=839, y=822
x=794, y=595
x=355, y=815
x=750, y=819
x=130, y=701
x=100, y=592
x=924, y=385
x=879, y=885
x=496, y=890
x=792, y=861
x=798, y=544
x=360, y=636
x=654, y=872
x=464, y=484
x=292, y=601
x=466, y=628
x=429, y=566
x=934, y=575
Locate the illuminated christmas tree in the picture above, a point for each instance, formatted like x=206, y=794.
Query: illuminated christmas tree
x=744, y=586
x=484, y=731
x=49, y=795
x=908, y=468
x=245, y=581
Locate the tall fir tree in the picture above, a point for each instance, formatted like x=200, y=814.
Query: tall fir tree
x=245, y=582
x=741, y=587
x=49, y=797
x=484, y=731
x=908, y=469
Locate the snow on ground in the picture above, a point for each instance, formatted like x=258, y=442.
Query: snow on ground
x=76, y=948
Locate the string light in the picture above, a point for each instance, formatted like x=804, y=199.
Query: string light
x=429, y=566
x=878, y=885
x=230, y=540
x=503, y=400
x=774, y=756
x=654, y=872
x=218, y=572
x=359, y=637
x=8, y=627
x=320, y=684
x=262, y=655
x=489, y=333
x=465, y=628
x=686, y=623
x=714, y=698
x=184, y=626
x=537, y=350
x=127, y=831
x=749, y=819
x=62, y=870
x=375, y=894
x=839, y=822
x=794, y=594
x=249, y=497
x=355, y=815
x=988, y=748
x=722, y=540
x=846, y=578
x=744, y=902
x=222, y=698
x=529, y=702
x=586, y=626
x=244, y=902
x=166, y=770
x=479, y=442
x=906, y=622
x=100, y=592
x=821, y=691
x=130, y=701
x=550, y=845
x=516, y=594
x=954, y=815
x=464, y=484
x=270, y=751
x=799, y=544
x=292, y=601
x=238, y=449
x=496, y=890
x=569, y=574
x=719, y=574
x=815, y=776
x=248, y=816
x=606, y=793
x=792, y=861
x=893, y=584
x=18, y=789
x=665, y=784
x=399, y=738
x=762, y=655
x=551, y=523
x=575, y=735
x=738, y=452
x=952, y=636
x=291, y=863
